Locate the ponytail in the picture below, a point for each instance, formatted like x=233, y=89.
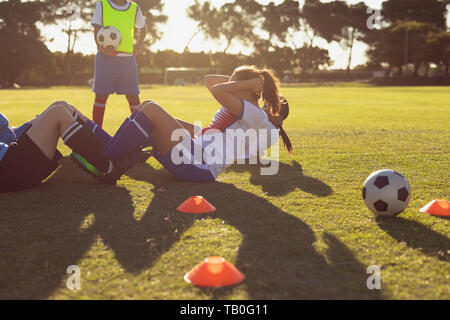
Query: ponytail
x=286, y=140
x=270, y=94
x=278, y=106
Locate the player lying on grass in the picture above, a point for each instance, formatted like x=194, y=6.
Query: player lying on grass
x=28, y=154
x=239, y=94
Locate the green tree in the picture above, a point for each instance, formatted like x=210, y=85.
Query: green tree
x=279, y=19
x=310, y=59
x=205, y=16
x=73, y=17
x=25, y=48
x=235, y=22
x=427, y=11
x=152, y=10
x=337, y=21
x=439, y=44
x=388, y=44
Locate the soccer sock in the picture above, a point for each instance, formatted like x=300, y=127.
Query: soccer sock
x=82, y=141
x=98, y=112
x=103, y=137
x=134, y=134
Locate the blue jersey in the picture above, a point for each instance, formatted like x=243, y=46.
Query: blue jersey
x=7, y=136
x=3, y=149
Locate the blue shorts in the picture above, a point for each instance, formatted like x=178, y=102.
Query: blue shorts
x=185, y=172
x=116, y=75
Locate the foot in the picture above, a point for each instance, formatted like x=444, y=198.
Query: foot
x=120, y=166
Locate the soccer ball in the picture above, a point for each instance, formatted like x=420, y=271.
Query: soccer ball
x=109, y=37
x=386, y=192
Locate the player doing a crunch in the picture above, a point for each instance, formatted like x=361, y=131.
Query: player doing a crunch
x=239, y=96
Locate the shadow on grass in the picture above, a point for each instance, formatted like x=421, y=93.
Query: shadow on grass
x=417, y=236
x=45, y=230
x=276, y=254
x=288, y=178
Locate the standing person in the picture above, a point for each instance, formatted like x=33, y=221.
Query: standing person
x=116, y=70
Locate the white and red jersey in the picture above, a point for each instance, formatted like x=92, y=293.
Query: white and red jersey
x=219, y=138
x=221, y=121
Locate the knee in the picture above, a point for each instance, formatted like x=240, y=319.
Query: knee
x=60, y=112
x=62, y=105
x=149, y=106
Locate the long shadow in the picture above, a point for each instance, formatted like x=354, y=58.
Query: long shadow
x=47, y=229
x=43, y=231
x=288, y=178
x=417, y=236
x=276, y=253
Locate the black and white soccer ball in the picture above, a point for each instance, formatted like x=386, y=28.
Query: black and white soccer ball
x=109, y=37
x=386, y=192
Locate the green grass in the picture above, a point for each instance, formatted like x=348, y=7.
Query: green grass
x=304, y=233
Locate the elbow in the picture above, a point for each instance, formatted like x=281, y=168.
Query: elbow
x=215, y=90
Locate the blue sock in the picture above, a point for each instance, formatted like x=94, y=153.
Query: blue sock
x=103, y=137
x=133, y=135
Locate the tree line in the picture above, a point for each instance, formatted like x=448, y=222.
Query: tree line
x=407, y=35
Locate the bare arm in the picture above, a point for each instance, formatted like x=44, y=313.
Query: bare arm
x=226, y=93
x=140, y=37
x=213, y=79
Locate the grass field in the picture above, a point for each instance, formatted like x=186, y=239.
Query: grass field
x=304, y=233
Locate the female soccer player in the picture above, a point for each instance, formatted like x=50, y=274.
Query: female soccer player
x=28, y=154
x=239, y=94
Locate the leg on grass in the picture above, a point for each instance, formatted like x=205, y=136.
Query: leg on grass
x=190, y=127
x=59, y=120
x=163, y=126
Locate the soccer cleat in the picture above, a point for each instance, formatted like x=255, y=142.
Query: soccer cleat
x=120, y=166
x=123, y=164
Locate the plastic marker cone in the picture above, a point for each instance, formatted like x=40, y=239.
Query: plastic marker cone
x=214, y=272
x=438, y=207
x=196, y=204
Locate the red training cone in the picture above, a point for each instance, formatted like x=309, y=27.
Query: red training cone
x=196, y=204
x=214, y=272
x=438, y=207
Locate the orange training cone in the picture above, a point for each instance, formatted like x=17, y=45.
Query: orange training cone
x=214, y=272
x=438, y=207
x=196, y=204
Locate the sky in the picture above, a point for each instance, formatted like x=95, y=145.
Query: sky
x=179, y=29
